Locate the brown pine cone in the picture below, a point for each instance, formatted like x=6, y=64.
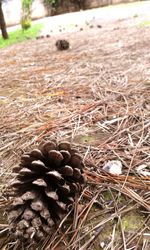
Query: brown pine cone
x=46, y=185
x=62, y=44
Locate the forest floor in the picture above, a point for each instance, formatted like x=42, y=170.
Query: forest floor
x=96, y=95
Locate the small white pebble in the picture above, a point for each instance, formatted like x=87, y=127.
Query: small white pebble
x=113, y=167
x=102, y=244
x=143, y=170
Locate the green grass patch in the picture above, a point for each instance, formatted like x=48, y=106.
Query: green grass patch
x=144, y=24
x=20, y=35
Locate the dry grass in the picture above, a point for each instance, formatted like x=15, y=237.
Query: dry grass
x=95, y=95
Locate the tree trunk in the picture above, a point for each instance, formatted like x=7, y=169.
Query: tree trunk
x=2, y=23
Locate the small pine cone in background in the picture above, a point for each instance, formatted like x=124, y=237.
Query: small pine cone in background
x=47, y=182
x=62, y=44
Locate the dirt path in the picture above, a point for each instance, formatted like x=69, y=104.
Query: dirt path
x=102, y=15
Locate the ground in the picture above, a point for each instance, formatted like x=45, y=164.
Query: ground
x=96, y=95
